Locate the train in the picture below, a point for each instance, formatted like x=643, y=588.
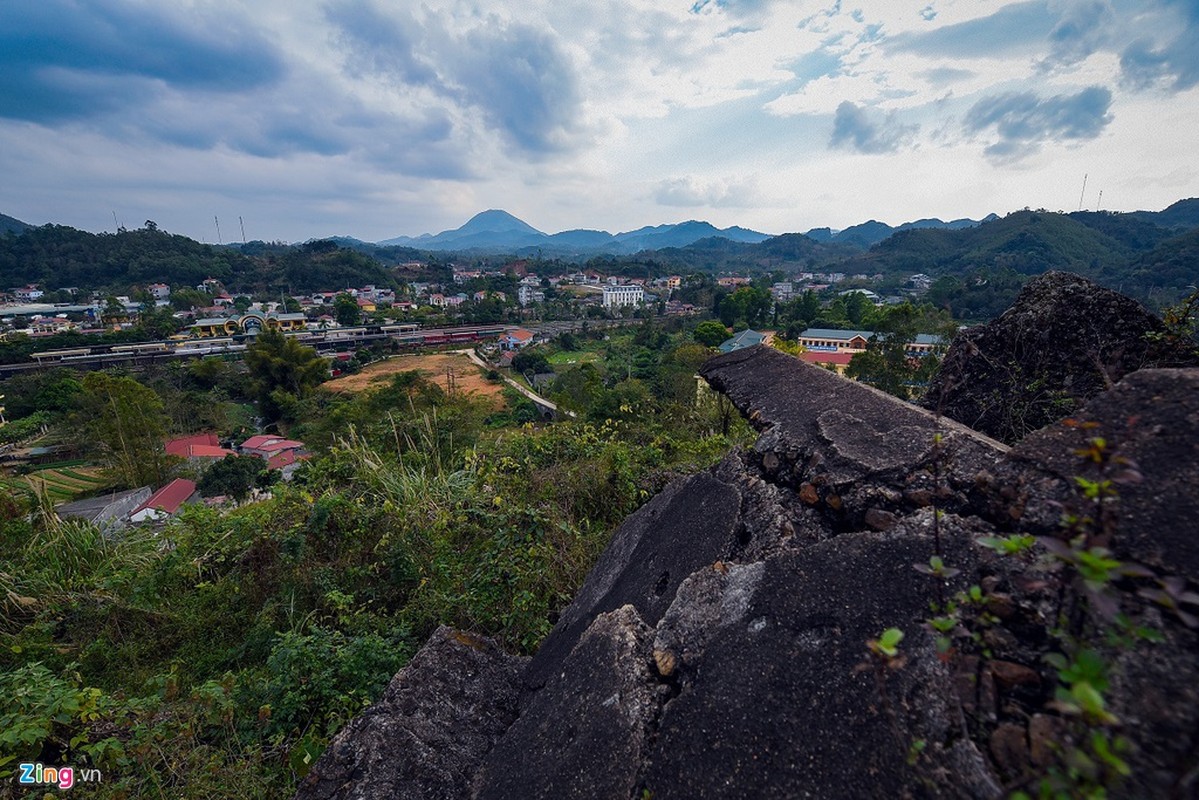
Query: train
x=402, y=334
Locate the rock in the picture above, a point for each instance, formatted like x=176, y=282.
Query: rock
x=1063, y=341
x=1008, y=674
x=1044, y=737
x=1150, y=422
x=778, y=706
x=1009, y=748
x=691, y=523
x=585, y=734
x=428, y=734
x=718, y=647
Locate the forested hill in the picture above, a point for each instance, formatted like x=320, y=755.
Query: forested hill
x=10, y=225
x=1150, y=255
x=57, y=256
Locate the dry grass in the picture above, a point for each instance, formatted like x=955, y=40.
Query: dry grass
x=437, y=368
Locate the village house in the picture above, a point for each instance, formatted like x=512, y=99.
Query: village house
x=166, y=502
x=28, y=294
x=526, y=295
x=159, y=291
x=833, y=341
x=829, y=360
x=199, y=448
x=744, y=339
x=516, y=339
x=277, y=451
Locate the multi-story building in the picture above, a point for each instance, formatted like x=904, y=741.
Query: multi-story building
x=615, y=296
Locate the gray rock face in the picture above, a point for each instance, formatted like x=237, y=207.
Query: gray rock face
x=720, y=647
x=1150, y=424
x=648, y=557
x=426, y=737
x=587, y=732
x=1062, y=342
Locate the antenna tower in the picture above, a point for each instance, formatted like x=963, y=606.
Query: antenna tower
x=1083, y=192
x=243, y=228
x=1099, y=204
x=219, y=240
x=114, y=222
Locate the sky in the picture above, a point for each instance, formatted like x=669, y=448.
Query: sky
x=378, y=118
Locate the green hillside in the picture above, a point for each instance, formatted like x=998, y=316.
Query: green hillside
x=57, y=256
x=10, y=225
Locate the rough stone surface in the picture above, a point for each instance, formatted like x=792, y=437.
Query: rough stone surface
x=1063, y=341
x=719, y=647
x=690, y=523
x=585, y=734
x=428, y=734
x=785, y=696
x=1150, y=422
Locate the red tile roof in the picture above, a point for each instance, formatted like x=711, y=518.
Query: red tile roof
x=840, y=359
x=266, y=441
x=179, y=447
x=208, y=451
x=170, y=497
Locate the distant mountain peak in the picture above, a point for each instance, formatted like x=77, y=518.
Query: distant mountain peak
x=495, y=219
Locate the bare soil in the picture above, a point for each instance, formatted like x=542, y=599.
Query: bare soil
x=440, y=368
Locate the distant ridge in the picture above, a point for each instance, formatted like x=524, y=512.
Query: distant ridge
x=498, y=230
x=12, y=225
x=871, y=232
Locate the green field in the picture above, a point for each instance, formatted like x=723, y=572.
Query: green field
x=574, y=357
x=60, y=485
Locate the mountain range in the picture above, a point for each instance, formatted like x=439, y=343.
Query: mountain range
x=498, y=230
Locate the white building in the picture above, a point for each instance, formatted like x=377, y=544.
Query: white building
x=623, y=296
x=526, y=295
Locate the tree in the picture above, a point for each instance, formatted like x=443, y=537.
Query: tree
x=887, y=364
x=533, y=361
x=125, y=423
x=282, y=372
x=232, y=475
x=345, y=310
x=710, y=333
x=156, y=323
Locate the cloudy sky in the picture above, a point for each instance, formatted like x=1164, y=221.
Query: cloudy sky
x=375, y=118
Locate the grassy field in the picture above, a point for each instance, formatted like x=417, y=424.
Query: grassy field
x=574, y=357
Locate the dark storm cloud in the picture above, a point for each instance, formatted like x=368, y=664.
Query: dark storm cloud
x=856, y=129
x=63, y=60
x=1023, y=121
x=517, y=75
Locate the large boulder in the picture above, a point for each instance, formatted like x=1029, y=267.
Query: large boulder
x=722, y=646
x=427, y=735
x=1063, y=341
